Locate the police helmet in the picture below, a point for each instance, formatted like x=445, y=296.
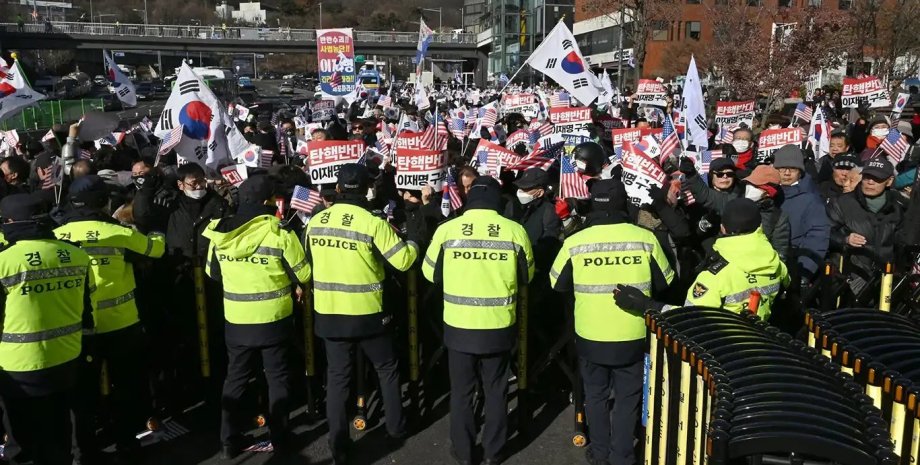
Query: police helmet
x=590, y=158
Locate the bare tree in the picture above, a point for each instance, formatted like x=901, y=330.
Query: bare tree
x=642, y=18
x=763, y=53
x=886, y=33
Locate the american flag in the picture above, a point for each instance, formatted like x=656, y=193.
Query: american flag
x=488, y=115
x=727, y=135
x=802, y=113
x=171, y=140
x=541, y=157
x=450, y=196
x=458, y=127
x=487, y=158
x=895, y=146
x=559, y=100
x=385, y=101
x=669, y=140
x=571, y=183
x=305, y=200
x=541, y=129
x=429, y=136
x=283, y=142
x=383, y=148
x=265, y=158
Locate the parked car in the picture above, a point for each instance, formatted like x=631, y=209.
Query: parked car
x=144, y=91
x=245, y=83
x=286, y=88
x=100, y=80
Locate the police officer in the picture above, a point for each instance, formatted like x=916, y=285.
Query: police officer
x=348, y=246
x=481, y=259
x=610, y=340
x=46, y=286
x=259, y=265
x=744, y=262
x=118, y=338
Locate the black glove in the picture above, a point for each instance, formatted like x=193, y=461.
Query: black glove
x=631, y=298
x=658, y=195
x=687, y=166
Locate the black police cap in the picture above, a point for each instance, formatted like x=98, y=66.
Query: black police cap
x=741, y=216
x=22, y=207
x=257, y=189
x=353, y=177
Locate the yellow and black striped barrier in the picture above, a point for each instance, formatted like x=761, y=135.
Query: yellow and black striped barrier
x=725, y=388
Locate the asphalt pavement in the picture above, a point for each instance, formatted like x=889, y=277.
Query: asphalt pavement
x=195, y=441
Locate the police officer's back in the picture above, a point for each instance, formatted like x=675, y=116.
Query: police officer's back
x=610, y=339
x=481, y=259
x=744, y=262
x=46, y=306
x=258, y=264
x=348, y=247
x=118, y=336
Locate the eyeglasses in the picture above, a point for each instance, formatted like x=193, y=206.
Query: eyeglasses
x=193, y=183
x=724, y=174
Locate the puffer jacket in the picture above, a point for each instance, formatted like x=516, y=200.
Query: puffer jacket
x=808, y=223
x=849, y=214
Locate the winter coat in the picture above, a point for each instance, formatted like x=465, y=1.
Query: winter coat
x=809, y=227
x=543, y=228
x=849, y=214
x=775, y=222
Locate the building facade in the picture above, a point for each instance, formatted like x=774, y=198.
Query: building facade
x=597, y=32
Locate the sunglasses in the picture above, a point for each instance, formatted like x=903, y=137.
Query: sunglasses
x=724, y=174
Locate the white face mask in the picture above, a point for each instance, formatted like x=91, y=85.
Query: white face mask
x=741, y=145
x=196, y=194
x=524, y=197
x=371, y=194
x=753, y=193
x=879, y=133
x=581, y=166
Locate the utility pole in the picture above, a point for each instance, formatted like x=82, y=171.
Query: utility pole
x=620, y=57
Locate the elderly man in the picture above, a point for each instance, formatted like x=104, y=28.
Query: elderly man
x=810, y=230
x=865, y=223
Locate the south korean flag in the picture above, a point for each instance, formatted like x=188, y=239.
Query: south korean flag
x=194, y=106
x=124, y=88
x=559, y=58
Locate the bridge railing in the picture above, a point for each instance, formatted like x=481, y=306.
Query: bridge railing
x=230, y=33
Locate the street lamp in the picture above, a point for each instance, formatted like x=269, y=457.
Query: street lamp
x=438, y=9
x=320, y=14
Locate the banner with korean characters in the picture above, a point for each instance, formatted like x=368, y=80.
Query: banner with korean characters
x=651, y=92
x=325, y=158
x=416, y=169
x=571, y=120
x=735, y=113
x=868, y=91
x=640, y=173
x=525, y=104
x=772, y=139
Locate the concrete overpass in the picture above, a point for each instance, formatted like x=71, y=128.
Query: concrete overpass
x=189, y=38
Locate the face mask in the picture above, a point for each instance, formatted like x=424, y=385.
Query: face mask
x=196, y=194
x=879, y=133
x=581, y=166
x=138, y=181
x=371, y=194
x=524, y=197
x=741, y=145
x=752, y=193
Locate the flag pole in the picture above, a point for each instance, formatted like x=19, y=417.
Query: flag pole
x=515, y=75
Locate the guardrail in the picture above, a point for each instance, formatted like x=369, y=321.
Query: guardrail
x=230, y=33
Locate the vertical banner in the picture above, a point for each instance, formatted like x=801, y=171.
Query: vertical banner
x=335, y=55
